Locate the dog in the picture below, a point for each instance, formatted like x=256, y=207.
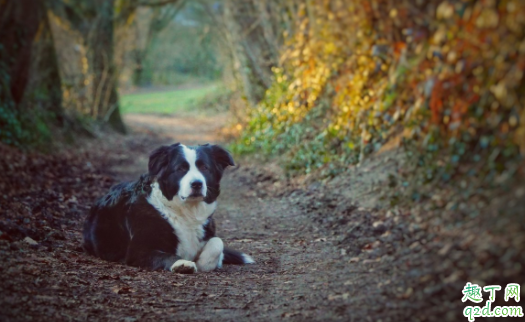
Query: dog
x=164, y=220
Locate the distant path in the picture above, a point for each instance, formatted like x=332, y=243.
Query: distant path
x=168, y=88
x=187, y=129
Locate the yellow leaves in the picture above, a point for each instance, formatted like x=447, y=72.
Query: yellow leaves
x=330, y=48
x=306, y=52
x=502, y=94
x=488, y=18
x=452, y=57
x=513, y=121
x=445, y=10
x=365, y=135
x=440, y=35
x=363, y=60
x=432, y=75
x=290, y=107
x=393, y=13
x=281, y=78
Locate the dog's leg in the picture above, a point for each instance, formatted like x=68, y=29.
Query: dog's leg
x=149, y=249
x=211, y=255
x=183, y=266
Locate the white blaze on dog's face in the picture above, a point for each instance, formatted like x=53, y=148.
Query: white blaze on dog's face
x=191, y=173
x=193, y=184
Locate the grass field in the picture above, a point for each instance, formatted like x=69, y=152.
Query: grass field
x=170, y=101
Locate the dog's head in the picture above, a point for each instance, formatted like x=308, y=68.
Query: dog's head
x=191, y=173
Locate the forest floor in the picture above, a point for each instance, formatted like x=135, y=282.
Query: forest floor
x=324, y=250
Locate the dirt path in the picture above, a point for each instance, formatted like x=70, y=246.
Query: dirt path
x=324, y=251
x=299, y=274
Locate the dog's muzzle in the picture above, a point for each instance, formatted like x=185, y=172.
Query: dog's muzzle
x=196, y=189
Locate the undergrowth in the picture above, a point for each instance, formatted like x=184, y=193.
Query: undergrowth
x=444, y=76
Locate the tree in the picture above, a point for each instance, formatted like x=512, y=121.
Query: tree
x=29, y=70
x=31, y=88
x=96, y=21
x=160, y=19
x=105, y=75
x=253, y=31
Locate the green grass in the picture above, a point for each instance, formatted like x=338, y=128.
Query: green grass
x=170, y=101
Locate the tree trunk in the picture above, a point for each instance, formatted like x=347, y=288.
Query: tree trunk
x=32, y=91
x=18, y=27
x=267, y=27
x=241, y=64
x=44, y=80
x=105, y=74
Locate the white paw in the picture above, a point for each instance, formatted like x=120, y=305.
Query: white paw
x=183, y=266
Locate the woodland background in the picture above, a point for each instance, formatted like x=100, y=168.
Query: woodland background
x=391, y=132
x=323, y=83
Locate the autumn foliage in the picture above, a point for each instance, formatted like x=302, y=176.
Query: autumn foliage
x=440, y=75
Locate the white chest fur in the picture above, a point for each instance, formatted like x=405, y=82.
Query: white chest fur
x=186, y=219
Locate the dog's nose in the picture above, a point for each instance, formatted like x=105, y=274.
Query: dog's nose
x=196, y=184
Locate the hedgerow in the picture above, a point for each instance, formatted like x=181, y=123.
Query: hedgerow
x=444, y=77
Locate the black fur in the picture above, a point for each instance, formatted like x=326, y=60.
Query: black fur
x=122, y=213
x=233, y=257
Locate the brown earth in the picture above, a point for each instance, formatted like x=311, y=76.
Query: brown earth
x=325, y=250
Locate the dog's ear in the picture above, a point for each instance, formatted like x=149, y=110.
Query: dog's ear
x=222, y=157
x=159, y=159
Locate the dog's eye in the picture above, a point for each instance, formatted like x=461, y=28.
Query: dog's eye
x=181, y=168
x=203, y=167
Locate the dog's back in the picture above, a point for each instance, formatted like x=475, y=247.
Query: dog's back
x=106, y=230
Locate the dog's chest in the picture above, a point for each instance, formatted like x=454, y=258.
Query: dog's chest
x=190, y=234
x=190, y=238
x=186, y=220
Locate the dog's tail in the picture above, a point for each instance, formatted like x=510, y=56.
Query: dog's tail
x=236, y=258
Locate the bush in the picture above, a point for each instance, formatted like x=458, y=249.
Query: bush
x=445, y=76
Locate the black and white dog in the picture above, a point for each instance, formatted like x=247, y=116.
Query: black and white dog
x=164, y=219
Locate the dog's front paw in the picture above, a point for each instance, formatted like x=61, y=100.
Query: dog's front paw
x=184, y=267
